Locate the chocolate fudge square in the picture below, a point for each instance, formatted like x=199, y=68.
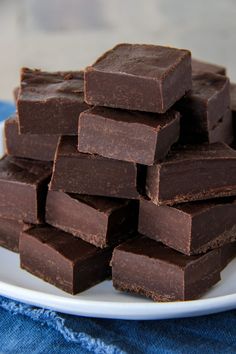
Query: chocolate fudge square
x=23, y=188
x=139, y=77
x=50, y=103
x=80, y=173
x=193, y=172
x=98, y=220
x=199, y=66
x=190, y=228
x=63, y=260
x=128, y=135
x=31, y=146
x=10, y=231
x=203, y=110
x=145, y=267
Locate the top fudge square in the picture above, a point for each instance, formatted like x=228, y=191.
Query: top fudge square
x=50, y=103
x=139, y=77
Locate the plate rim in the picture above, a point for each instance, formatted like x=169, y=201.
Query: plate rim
x=119, y=309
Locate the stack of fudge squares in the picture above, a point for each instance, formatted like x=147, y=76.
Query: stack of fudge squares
x=126, y=169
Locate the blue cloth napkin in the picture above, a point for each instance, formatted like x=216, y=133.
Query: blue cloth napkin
x=6, y=109
x=27, y=329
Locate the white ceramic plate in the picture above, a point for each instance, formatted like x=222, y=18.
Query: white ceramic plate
x=102, y=300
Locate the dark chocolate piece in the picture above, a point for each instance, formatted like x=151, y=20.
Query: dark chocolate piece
x=23, y=188
x=80, y=173
x=228, y=252
x=97, y=220
x=62, y=259
x=199, y=66
x=203, y=110
x=139, y=77
x=50, y=103
x=190, y=228
x=191, y=173
x=127, y=135
x=146, y=267
x=31, y=146
x=10, y=231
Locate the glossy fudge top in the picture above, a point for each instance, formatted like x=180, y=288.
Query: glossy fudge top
x=200, y=152
x=39, y=85
x=24, y=170
x=147, y=247
x=143, y=60
x=70, y=247
x=102, y=204
x=207, y=84
x=201, y=66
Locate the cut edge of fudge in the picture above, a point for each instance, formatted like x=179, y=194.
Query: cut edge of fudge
x=186, y=219
x=123, y=270
x=40, y=147
x=30, y=176
x=147, y=136
x=114, y=220
x=55, y=258
x=192, y=154
x=124, y=188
